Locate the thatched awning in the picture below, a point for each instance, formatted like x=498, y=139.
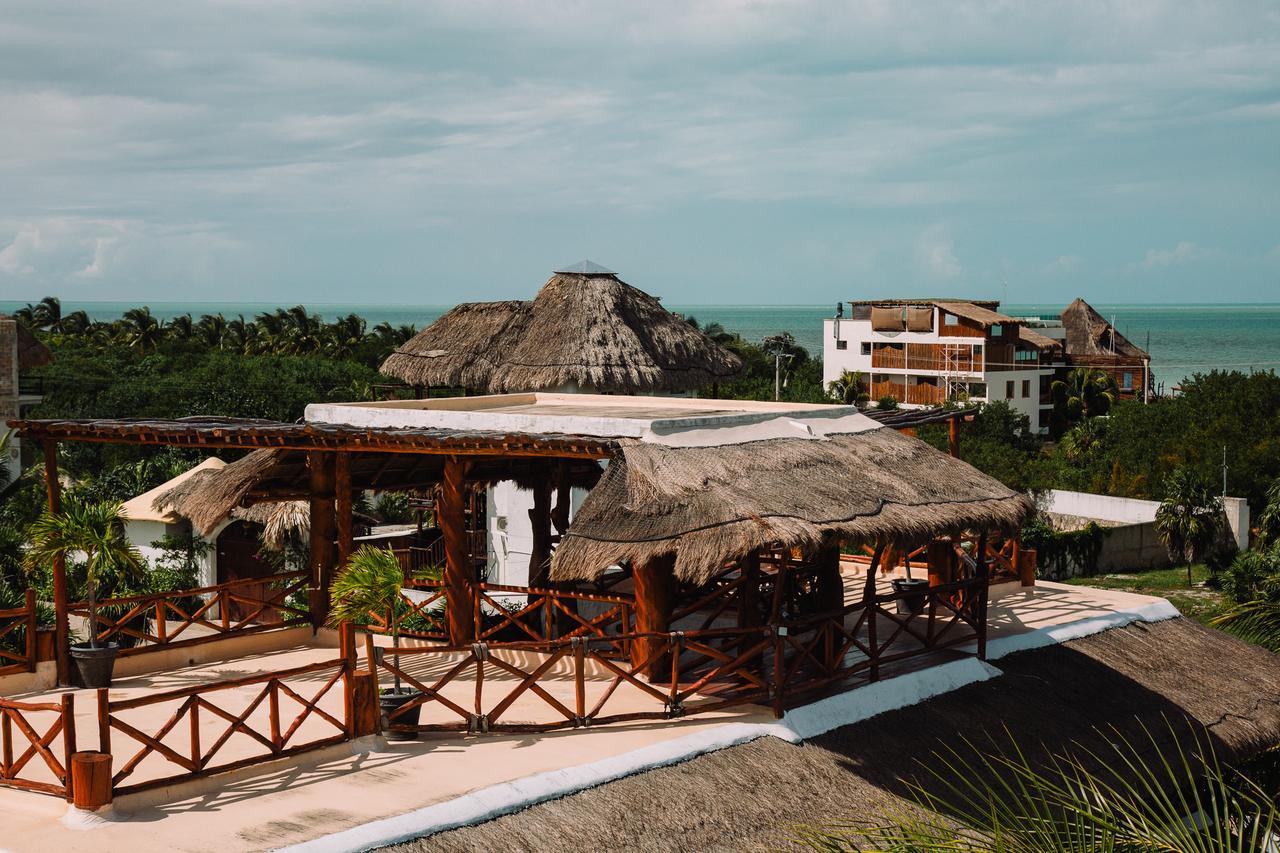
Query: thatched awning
x=710, y=505
x=584, y=331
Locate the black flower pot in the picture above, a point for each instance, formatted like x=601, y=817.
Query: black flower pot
x=95, y=665
x=916, y=594
x=393, y=700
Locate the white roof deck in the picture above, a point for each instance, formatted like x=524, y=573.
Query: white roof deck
x=667, y=420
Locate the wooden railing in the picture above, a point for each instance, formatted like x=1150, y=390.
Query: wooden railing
x=18, y=637
x=890, y=357
x=710, y=668
x=195, y=754
x=413, y=612
x=552, y=614
x=35, y=754
x=143, y=623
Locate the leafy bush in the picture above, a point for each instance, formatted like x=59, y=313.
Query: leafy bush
x=1058, y=550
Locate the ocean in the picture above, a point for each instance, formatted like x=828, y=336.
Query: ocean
x=1182, y=339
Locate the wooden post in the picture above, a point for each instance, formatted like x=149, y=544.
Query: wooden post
x=323, y=532
x=953, y=436
x=32, y=627
x=869, y=604
x=61, y=619
x=655, y=586
x=1027, y=566
x=342, y=506
x=941, y=556
x=540, y=525
x=829, y=585
x=366, y=715
x=461, y=591
x=90, y=780
x=984, y=584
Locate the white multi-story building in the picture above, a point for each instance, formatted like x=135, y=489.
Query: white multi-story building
x=925, y=352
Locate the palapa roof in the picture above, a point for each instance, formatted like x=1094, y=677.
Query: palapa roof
x=1149, y=683
x=31, y=351
x=148, y=506
x=585, y=329
x=1038, y=340
x=1089, y=334
x=708, y=505
x=979, y=314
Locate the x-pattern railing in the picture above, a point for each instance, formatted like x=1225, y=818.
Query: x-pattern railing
x=164, y=619
x=18, y=637
x=22, y=742
x=279, y=739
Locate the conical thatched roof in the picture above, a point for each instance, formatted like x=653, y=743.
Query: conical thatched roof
x=1089, y=334
x=585, y=330
x=709, y=505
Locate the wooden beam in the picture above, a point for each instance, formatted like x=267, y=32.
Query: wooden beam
x=953, y=436
x=655, y=591
x=323, y=533
x=460, y=585
x=54, y=488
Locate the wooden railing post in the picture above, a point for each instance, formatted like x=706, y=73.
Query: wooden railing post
x=779, y=669
x=676, y=641
x=462, y=605
x=33, y=629
x=984, y=589
x=68, y=738
x=869, y=605
x=61, y=621
x=104, y=720
x=579, y=679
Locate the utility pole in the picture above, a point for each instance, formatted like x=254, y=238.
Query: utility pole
x=1224, y=473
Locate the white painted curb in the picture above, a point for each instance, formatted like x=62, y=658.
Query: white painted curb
x=799, y=724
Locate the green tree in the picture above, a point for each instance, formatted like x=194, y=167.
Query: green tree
x=847, y=388
x=94, y=530
x=1188, y=517
x=371, y=582
x=1269, y=518
x=1085, y=393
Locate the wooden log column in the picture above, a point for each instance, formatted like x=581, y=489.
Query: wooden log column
x=90, y=780
x=942, y=561
x=953, y=436
x=540, y=526
x=829, y=586
x=323, y=533
x=62, y=653
x=342, y=506
x=459, y=567
x=655, y=591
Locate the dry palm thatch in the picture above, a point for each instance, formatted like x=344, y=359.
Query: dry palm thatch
x=207, y=497
x=709, y=505
x=281, y=521
x=1089, y=334
x=584, y=331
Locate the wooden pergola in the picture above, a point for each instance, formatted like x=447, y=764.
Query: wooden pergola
x=331, y=463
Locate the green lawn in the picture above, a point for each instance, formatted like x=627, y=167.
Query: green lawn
x=1197, y=602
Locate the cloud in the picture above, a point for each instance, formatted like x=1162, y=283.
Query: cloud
x=936, y=255
x=1063, y=264
x=1162, y=258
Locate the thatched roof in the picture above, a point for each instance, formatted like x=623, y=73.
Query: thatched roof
x=1089, y=334
x=582, y=331
x=709, y=505
x=1038, y=340
x=207, y=497
x=979, y=314
x=750, y=797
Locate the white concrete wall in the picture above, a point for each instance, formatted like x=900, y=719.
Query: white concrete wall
x=142, y=533
x=1135, y=511
x=510, y=533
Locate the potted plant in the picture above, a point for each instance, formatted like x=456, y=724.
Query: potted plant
x=371, y=582
x=95, y=531
x=916, y=591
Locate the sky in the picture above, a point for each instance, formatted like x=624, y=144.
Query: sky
x=710, y=152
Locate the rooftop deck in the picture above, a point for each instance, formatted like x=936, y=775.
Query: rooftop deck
x=293, y=799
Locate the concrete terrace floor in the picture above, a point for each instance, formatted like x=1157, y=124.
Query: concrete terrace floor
x=290, y=801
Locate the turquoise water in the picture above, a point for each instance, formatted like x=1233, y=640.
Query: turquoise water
x=1184, y=339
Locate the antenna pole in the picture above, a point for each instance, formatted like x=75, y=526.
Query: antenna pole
x=1224, y=472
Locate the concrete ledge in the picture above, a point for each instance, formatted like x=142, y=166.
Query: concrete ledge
x=44, y=678
x=167, y=659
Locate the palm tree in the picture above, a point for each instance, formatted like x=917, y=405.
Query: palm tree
x=272, y=332
x=213, y=329
x=847, y=388
x=181, y=328
x=1257, y=621
x=243, y=335
x=47, y=314
x=371, y=582
x=1124, y=796
x=1188, y=518
x=305, y=331
x=1269, y=518
x=1086, y=393
x=76, y=323
x=1082, y=441
x=142, y=331
x=95, y=530
x=346, y=334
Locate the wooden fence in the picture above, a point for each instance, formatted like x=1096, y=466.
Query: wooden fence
x=36, y=743
x=265, y=721
x=18, y=637
x=144, y=623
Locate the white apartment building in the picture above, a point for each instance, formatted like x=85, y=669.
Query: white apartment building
x=925, y=352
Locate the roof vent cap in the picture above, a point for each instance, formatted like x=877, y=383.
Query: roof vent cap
x=584, y=268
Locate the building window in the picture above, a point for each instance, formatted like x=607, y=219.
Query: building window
x=1026, y=388
x=1008, y=390
x=1128, y=382
x=978, y=389
x=842, y=344
x=866, y=347
x=950, y=320
x=997, y=331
